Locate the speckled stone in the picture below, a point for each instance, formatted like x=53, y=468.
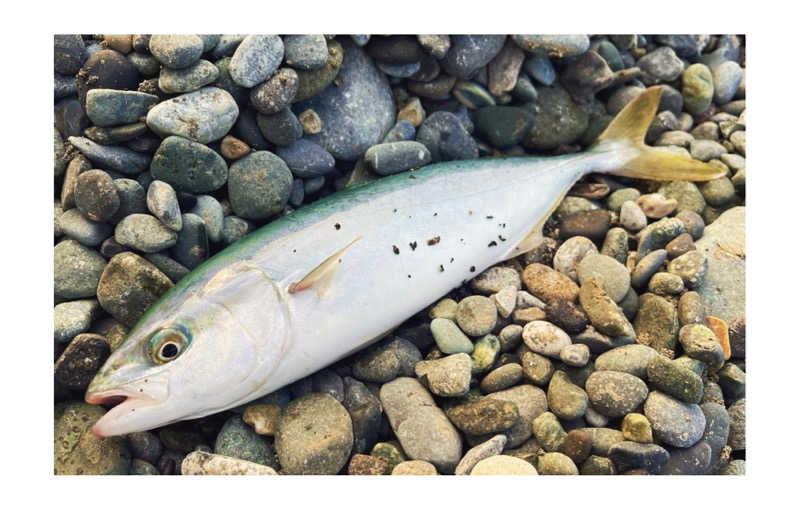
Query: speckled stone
x=556, y=463
x=77, y=451
x=632, y=359
x=259, y=185
x=656, y=322
x=674, y=422
x=613, y=276
x=547, y=284
x=632, y=455
x=449, y=338
x=566, y=400
x=548, y=432
x=491, y=447
x=77, y=270
x=545, y=338
x=699, y=342
x=614, y=393
x=570, y=254
x=604, y=314
x=635, y=427
x=530, y=401
x=72, y=318
x=145, y=233
x=674, y=379
x=203, y=116
x=128, y=286
x=448, y=376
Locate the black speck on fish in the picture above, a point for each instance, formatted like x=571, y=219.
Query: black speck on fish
x=394, y=211
x=492, y=244
x=409, y=276
x=413, y=245
x=435, y=214
x=472, y=269
x=441, y=268
x=396, y=250
x=489, y=217
x=502, y=239
x=412, y=177
x=451, y=259
x=433, y=240
x=337, y=226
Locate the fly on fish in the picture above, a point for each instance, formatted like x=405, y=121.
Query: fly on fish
x=291, y=298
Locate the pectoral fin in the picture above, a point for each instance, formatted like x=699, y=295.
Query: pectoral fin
x=320, y=276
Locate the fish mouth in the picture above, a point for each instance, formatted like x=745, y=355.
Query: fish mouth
x=121, y=402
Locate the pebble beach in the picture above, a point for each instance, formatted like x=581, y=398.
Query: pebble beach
x=616, y=346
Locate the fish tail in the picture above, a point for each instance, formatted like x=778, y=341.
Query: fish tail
x=626, y=134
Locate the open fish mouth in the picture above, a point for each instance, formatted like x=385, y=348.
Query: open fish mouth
x=122, y=403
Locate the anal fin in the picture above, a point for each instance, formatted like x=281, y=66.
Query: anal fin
x=320, y=277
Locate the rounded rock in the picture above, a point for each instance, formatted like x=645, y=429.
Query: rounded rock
x=259, y=185
x=276, y=93
x=674, y=422
x=394, y=157
x=129, y=285
x=176, y=51
x=107, y=69
x=203, y=116
x=238, y=440
x=556, y=463
x=76, y=269
x=79, y=451
x=145, y=233
x=614, y=276
x=571, y=253
x=503, y=465
x=95, y=195
x=545, y=338
x=614, y=393
x=476, y=315
x=697, y=88
x=162, y=202
x=197, y=75
x=449, y=338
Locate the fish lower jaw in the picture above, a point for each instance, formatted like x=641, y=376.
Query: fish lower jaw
x=122, y=404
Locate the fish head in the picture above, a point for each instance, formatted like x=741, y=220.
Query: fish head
x=202, y=348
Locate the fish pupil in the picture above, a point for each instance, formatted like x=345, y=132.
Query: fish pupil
x=169, y=350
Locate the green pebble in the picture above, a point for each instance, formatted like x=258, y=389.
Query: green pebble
x=79, y=451
x=675, y=380
x=636, y=427
x=503, y=126
x=449, y=337
x=556, y=463
x=664, y=283
x=548, y=431
x=687, y=194
x=472, y=95
x=485, y=353
x=698, y=88
x=389, y=452
x=239, y=440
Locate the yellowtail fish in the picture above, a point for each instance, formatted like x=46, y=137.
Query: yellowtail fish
x=322, y=282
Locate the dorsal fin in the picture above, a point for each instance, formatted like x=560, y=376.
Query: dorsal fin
x=320, y=276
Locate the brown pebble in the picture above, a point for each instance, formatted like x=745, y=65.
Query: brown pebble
x=567, y=315
x=363, y=464
x=233, y=148
x=720, y=330
x=603, y=312
x=412, y=111
x=680, y=245
x=120, y=42
x=310, y=121
x=437, y=89
x=656, y=206
x=593, y=224
x=96, y=195
x=263, y=417
x=577, y=445
x=691, y=309
x=523, y=316
x=736, y=337
x=79, y=362
x=548, y=284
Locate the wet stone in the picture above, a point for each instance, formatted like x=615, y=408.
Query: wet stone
x=362, y=464
x=79, y=362
x=197, y=75
x=108, y=107
x=259, y=185
x=577, y=445
x=162, y=202
x=256, y=58
x=631, y=216
x=688, y=195
x=468, y=53
x=445, y=137
x=210, y=210
x=128, y=286
x=82, y=230
x=77, y=270
x=566, y=400
x=632, y=359
x=72, y=318
x=394, y=157
x=616, y=245
x=557, y=120
x=306, y=52
x=78, y=451
x=656, y=323
x=553, y=45
x=692, y=461
x=107, y=69
x=276, y=93
x=203, y=116
x=635, y=427
x=176, y=51
x=119, y=159
x=732, y=381
x=675, y=380
x=597, y=465
x=144, y=233
x=631, y=455
x=567, y=315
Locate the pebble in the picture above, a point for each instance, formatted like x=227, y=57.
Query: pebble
x=468, y=53
x=674, y=422
x=205, y=463
x=604, y=314
x=614, y=393
x=362, y=464
x=485, y=353
x=566, y=400
x=395, y=49
x=553, y=45
x=545, y=338
x=89, y=233
x=107, y=69
x=191, y=247
x=227, y=45
x=737, y=418
x=718, y=192
x=530, y=401
x=356, y=114
x=476, y=315
x=445, y=308
x=577, y=445
x=603, y=439
x=78, y=451
x=691, y=267
x=128, y=286
x=576, y=355
x=717, y=429
x=95, y=195
x=313, y=81
x=537, y=368
x=631, y=359
x=63, y=86
x=506, y=301
x=661, y=65
x=145, y=446
x=233, y=229
x=732, y=381
x=613, y=276
x=556, y=463
x=314, y=435
x=446, y=138
x=680, y=245
x=238, y=440
x=705, y=150
x=691, y=309
x=695, y=460
x=636, y=428
x=501, y=378
x=386, y=360
x=144, y=233
x=495, y=279
x=677, y=138
x=259, y=185
x=276, y=93
x=610, y=54
x=726, y=79
x=504, y=68
x=675, y=380
x=412, y=112
x=306, y=159
x=484, y=416
x=664, y=283
x=394, y=157
x=282, y=128
x=176, y=51
x=69, y=53
x=540, y=68
x=365, y=413
x=632, y=217
x=414, y=467
x=492, y=447
x=593, y=224
x=112, y=135
x=436, y=45
x=147, y=65
x=503, y=465
x=656, y=323
x=72, y=318
x=422, y=428
x=629, y=455
x=255, y=59
x=699, y=342
x=698, y=88
x=503, y=126
x=615, y=244
x=437, y=89
x=708, y=131
x=571, y=253
x=79, y=362
x=448, y=377
x=76, y=270
x=306, y=52
x=224, y=81
x=472, y=95
x=162, y=202
x=449, y=338
x=209, y=209
x=203, y=116
x=647, y=266
x=597, y=465
x=109, y=107
x=688, y=196
x=120, y=159
x=548, y=432
x=548, y=284
x=197, y=75
x=557, y=120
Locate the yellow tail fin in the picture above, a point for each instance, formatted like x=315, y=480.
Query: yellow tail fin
x=627, y=132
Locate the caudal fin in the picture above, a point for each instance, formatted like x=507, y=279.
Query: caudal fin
x=627, y=131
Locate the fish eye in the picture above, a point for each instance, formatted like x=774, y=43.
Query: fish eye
x=167, y=344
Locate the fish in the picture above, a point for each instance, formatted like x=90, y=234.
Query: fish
x=330, y=278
